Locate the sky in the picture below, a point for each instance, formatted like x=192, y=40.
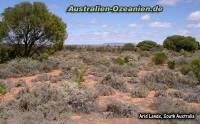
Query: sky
x=180, y=17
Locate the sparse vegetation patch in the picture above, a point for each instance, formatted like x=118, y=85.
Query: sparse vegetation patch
x=140, y=91
x=115, y=82
x=119, y=109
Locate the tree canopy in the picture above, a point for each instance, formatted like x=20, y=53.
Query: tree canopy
x=29, y=27
x=147, y=45
x=178, y=42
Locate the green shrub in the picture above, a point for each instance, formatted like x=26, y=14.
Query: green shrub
x=79, y=75
x=185, y=69
x=44, y=56
x=129, y=47
x=41, y=28
x=147, y=45
x=171, y=64
x=6, y=53
x=195, y=65
x=177, y=42
x=160, y=58
x=120, y=61
x=3, y=88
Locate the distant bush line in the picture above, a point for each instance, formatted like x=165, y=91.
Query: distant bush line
x=176, y=43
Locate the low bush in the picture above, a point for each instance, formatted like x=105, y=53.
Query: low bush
x=81, y=102
x=48, y=65
x=169, y=78
x=6, y=53
x=116, y=69
x=130, y=71
x=115, y=82
x=181, y=60
x=129, y=47
x=55, y=79
x=192, y=98
x=43, y=77
x=195, y=65
x=134, y=80
x=184, y=53
x=176, y=94
x=44, y=56
x=185, y=69
x=68, y=97
x=104, y=90
x=19, y=67
x=171, y=64
x=39, y=95
x=80, y=99
x=120, y=61
x=144, y=54
x=140, y=91
x=26, y=67
x=3, y=88
x=67, y=72
x=23, y=67
x=119, y=109
x=161, y=93
x=98, y=71
x=89, y=59
x=169, y=105
x=160, y=58
x=156, y=86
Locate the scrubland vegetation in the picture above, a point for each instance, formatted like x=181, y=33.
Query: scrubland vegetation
x=50, y=84
x=101, y=82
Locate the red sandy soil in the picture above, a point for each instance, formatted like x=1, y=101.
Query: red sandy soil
x=16, y=90
x=102, y=101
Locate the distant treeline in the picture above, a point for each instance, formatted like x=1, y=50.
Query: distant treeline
x=174, y=42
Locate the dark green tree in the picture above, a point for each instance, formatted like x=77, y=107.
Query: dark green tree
x=177, y=42
x=147, y=45
x=30, y=27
